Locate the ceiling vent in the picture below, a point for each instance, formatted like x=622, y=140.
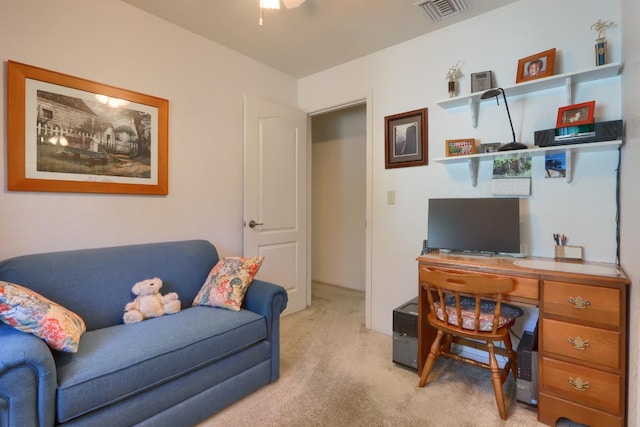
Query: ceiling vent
x=437, y=10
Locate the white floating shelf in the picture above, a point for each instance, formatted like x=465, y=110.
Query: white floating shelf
x=569, y=150
x=566, y=80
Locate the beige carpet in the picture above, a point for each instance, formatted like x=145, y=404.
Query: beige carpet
x=335, y=372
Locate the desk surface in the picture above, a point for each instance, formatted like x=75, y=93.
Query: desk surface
x=535, y=267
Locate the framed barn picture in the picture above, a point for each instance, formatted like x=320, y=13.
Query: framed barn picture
x=68, y=134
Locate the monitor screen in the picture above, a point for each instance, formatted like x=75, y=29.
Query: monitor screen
x=478, y=225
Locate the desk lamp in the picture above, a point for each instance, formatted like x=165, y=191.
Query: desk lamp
x=513, y=145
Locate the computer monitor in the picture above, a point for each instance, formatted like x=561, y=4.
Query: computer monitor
x=489, y=225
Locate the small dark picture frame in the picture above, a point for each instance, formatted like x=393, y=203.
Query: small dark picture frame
x=481, y=81
x=460, y=147
x=536, y=66
x=490, y=147
x=576, y=115
x=405, y=139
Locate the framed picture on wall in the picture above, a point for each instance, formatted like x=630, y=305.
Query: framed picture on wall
x=536, y=66
x=68, y=134
x=405, y=139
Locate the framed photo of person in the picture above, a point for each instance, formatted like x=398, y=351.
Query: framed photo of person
x=405, y=139
x=536, y=66
x=576, y=115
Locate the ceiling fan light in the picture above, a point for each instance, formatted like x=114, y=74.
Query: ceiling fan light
x=270, y=4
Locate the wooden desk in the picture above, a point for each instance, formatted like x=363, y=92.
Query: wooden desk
x=582, y=330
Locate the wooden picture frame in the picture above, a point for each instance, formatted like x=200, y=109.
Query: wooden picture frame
x=536, y=66
x=576, y=115
x=68, y=134
x=406, y=139
x=460, y=147
x=490, y=147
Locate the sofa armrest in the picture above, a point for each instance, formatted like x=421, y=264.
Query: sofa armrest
x=269, y=300
x=27, y=380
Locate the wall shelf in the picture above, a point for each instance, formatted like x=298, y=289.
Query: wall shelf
x=570, y=150
x=566, y=80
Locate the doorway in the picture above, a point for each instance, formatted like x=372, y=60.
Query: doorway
x=339, y=197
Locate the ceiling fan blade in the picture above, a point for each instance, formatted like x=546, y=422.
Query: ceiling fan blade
x=290, y=4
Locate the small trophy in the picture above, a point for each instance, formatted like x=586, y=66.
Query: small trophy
x=452, y=79
x=601, y=41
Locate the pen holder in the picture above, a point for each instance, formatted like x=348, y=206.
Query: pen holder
x=569, y=252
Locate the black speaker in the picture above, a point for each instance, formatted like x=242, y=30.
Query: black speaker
x=599, y=131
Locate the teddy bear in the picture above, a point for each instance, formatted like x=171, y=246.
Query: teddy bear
x=149, y=302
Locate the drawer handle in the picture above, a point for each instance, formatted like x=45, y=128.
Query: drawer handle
x=579, y=384
x=578, y=343
x=579, y=302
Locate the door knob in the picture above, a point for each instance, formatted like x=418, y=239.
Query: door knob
x=253, y=224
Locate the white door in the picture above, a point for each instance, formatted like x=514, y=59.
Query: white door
x=275, y=195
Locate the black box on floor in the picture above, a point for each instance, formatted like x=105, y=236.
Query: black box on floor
x=405, y=334
x=527, y=359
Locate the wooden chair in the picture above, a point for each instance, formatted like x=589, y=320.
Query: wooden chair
x=471, y=321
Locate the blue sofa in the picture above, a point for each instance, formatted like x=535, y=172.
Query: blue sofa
x=172, y=370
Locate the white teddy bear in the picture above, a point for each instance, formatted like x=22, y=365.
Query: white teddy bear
x=149, y=303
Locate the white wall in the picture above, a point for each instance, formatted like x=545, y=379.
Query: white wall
x=412, y=75
x=629, y=192
x=113, y=43
x=338, y=197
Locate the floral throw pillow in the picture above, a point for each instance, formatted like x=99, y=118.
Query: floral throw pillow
x=31, y=312
x=228, y=282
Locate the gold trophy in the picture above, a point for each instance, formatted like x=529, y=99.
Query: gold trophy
x=601, y=41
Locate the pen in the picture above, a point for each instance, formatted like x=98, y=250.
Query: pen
x=556, y=237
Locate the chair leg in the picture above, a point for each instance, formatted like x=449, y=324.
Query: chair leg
x=434, y=352
x=497, y=381
x=512, y=356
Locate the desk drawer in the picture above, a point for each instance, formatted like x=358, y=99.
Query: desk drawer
x=602, y=304
x=599, y=389
x=523, y=287
x=602, y=348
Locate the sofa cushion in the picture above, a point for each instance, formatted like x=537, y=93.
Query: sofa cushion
x=120, y=361
x=468, y=311
x=31, y=312
x=228, y=281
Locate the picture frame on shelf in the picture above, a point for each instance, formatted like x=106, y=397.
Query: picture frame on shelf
x=460, y=147
x=69, y=134
x=576, y=114
x=481, y=81
x=406, y=139
x=536, y=66
x=490, y=147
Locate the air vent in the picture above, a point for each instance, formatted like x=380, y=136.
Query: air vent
x=437, y=10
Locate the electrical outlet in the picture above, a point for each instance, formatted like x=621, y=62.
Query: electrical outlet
x=391, y=197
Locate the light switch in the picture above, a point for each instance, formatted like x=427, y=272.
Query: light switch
x=391, y=197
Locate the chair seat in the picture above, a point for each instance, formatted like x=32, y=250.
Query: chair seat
x=507, y=313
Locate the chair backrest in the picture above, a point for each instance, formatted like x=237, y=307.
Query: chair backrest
x=445, y=285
